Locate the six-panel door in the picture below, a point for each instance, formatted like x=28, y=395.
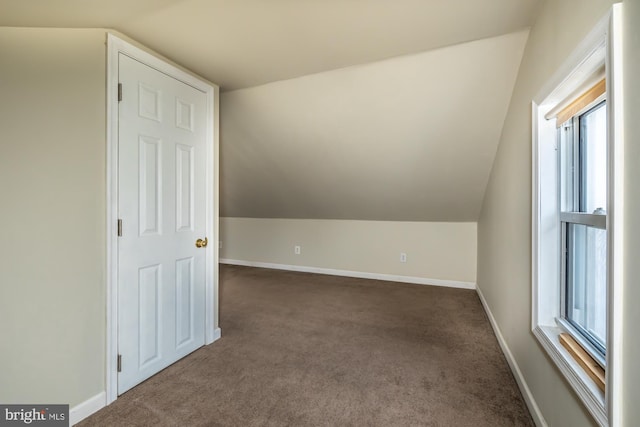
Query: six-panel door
x=161, y=201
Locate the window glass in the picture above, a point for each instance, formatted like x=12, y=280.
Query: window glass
x=587, y=281
x=568, y=177
x=593, y=153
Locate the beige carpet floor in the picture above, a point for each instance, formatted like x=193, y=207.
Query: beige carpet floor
x=300, y=349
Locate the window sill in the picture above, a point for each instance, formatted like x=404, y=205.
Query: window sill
x=592, y=397
x=584, y=343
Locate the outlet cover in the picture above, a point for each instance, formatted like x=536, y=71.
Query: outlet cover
x=403, y=257
x=296, y=250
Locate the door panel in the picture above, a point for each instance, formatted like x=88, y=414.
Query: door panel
x=184, y=301
x=161, y=201
x=150, y=182
x=184, y=187
x=149, y=314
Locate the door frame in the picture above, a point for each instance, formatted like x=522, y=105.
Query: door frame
x=115, y=46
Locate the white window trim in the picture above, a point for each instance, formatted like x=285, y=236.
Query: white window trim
x=602, y=44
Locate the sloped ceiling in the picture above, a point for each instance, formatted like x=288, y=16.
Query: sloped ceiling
x=407, y=139
x=243, y=43
x=309, y=132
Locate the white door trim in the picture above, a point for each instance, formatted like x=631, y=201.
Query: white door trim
x=115, y=46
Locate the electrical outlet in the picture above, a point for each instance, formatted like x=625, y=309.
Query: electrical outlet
x=296, y=250
x=403, y=257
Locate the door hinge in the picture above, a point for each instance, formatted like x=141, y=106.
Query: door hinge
x=119, y=92
x=119, y=228
x=119, y=363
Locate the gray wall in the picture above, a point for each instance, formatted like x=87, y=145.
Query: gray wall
x=504, y=228
x=631, y=314
x=359, y=164
x=435, y=250
x=52, y=170
x=52, y=215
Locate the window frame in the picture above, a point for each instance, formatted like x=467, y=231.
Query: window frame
x=575, y=214
x=601, y=49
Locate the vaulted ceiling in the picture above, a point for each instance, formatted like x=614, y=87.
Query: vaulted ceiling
x=243, y=43
x=354, y=109
x=407, y=139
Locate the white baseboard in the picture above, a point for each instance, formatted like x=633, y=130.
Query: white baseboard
x=99, y=401
x=348, y=273
x=536, y=414
x=217, y=333
x=86, y=408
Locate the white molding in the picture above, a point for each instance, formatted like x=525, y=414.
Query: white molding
x=545, y=220
x=615, y=94
x=217, y=333
x=357, y=274
x=584, y=386
x=86, y=408
x=115, y=46
x=536, y=414
x=111, y=219
x=535, y=214
x=211, y=218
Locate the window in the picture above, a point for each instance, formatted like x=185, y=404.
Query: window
x=577, y=216
x=582, y=142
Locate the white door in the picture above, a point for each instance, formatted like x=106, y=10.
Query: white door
x=161, y=202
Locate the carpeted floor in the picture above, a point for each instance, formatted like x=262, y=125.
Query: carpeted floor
x=300, y=349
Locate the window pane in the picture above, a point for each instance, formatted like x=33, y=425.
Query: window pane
x=593, y=153
x=568, y=172
x=587, y=281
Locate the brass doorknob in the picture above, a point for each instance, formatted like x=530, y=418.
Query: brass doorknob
x=202, y=243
